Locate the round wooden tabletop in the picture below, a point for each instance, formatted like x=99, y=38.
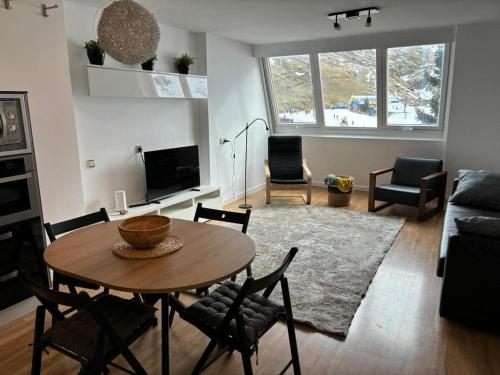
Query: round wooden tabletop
x=210, y=253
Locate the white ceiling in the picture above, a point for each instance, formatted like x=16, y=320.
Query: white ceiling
x=272, y=21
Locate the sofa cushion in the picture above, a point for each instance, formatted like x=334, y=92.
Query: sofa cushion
x=450, y=228
x=479, y=225
x=409, y=171
x=407, y=195
x=478, y=189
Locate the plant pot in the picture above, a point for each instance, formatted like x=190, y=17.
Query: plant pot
x=148, y=65
x=96, y=57
x=183, y=68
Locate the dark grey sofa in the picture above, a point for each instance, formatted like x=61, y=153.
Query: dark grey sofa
x=470, y=267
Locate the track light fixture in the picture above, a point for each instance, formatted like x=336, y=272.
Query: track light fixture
x=353, y=15
x=368, y=22
x=336, y=25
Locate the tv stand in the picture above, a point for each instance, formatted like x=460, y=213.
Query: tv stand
x=180, y=206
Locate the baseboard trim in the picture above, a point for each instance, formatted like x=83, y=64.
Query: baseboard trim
x=355, y=188
x=241, y=194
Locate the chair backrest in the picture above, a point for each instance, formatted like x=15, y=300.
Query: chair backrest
x=409, y=171
x=51, y=298
x=251, y=285
x=224, y=216
x=54, y=230
x=285, y=157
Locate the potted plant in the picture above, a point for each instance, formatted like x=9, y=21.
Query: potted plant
x=95, y=53
x=182, y=63
x=149, y=64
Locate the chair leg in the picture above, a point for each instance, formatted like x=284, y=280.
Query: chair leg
x=268, y=192
x=290, y=327
x=36, y=361
x=247, y=363
x=309, y=192
x=204, y=357
x=172, y=311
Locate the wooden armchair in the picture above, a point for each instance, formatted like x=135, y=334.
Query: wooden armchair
x=286, y=166
x=414, y=182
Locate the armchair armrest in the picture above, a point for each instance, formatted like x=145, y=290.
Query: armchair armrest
x=267, y=171
x=381, y=171
x=306, y=170
x=424, y=182
x=435, y=176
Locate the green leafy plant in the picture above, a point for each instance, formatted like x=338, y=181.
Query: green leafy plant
x=184, y=59
x=93, y=45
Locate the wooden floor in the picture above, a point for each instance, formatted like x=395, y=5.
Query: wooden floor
x=397, y=329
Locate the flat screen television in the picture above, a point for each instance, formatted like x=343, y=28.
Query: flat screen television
x=170, y=171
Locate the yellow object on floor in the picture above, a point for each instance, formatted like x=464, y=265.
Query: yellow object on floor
x=345, y=183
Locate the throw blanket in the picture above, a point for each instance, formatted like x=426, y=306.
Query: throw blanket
x=343, y=183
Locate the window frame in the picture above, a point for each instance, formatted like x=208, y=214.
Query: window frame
x=381, y=69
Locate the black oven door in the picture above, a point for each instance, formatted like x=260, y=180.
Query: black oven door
x=21, y=248
x=19, y=198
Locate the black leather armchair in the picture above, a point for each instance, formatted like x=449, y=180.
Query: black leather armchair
x=285, y=165
x=414, y=182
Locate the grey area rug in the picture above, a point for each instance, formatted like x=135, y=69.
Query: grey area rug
x=339, y=254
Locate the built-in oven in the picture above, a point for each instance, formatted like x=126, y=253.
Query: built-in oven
x=21, y=249
x=19, y=197
x=15, y=137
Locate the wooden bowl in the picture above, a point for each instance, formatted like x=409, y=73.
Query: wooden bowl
x=146, y=231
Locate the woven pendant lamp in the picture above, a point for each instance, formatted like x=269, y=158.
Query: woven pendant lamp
x=128, y=32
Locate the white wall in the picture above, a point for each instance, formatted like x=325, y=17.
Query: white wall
x=474, y=131
x=236, y=96
x=34, y=58
x=109, y=128
x=357, y=157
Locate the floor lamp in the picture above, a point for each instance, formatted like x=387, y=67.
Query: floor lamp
x=245, y=130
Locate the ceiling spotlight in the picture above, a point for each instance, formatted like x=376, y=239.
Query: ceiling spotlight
x=369, y=19
x=336, y=25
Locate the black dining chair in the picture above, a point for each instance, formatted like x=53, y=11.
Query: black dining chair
x=222, y=216
x=235, y=317
x=226, y=217
x=54, y=230
x=95, y=335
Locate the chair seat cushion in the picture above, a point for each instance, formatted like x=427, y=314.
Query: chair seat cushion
x=259, y=313
x=78, y=333
x=288, y=182
x=408, y=195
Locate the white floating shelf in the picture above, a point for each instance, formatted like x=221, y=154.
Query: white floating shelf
x=134, y=83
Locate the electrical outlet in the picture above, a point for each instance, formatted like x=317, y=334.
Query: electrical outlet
x=223, y=140
x=138, y=149
x=90, y=163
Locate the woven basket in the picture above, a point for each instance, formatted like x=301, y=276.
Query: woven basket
x=337, y=198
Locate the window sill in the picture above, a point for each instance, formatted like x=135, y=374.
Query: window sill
x=436, y=135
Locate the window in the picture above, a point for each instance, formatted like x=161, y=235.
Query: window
x=349, y=87
x=368, y=90
x=293, y=89
x=414, y=78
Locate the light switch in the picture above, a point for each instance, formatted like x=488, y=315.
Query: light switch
x=90, y=163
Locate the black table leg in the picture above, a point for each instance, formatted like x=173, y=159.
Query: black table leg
x=165, y=363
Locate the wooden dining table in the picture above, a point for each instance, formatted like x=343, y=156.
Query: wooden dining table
x=210, y=253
